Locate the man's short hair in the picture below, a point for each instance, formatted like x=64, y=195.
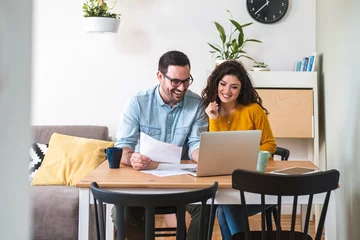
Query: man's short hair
x=176, y=58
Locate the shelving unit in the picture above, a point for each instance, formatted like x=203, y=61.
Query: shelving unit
x=292, y=100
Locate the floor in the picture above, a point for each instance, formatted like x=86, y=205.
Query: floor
x=255, y=224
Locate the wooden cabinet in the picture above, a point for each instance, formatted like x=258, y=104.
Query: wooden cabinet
x=291, y=111
x=292, y=100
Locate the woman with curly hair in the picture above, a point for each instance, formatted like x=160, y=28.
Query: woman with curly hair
x=232, y=103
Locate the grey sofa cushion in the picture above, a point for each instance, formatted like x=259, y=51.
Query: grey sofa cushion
x=42, y=134
x=55, y=212
x=56, y=208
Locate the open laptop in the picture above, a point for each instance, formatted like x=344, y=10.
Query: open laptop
x=221, y=153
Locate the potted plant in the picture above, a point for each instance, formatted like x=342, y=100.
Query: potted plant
x=260, y=66
x=232, y=45
x=97, y=17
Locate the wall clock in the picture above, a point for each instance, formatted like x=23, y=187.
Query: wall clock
x=267, y=11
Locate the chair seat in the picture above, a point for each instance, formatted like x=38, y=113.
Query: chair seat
x=286, y=235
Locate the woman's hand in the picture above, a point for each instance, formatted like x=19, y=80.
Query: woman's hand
x=212, y=110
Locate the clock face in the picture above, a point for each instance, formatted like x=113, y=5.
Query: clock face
x=267, y=11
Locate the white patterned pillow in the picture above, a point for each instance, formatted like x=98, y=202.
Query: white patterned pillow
x=37, y=153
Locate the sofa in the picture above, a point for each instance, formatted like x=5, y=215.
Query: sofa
x=55, y=209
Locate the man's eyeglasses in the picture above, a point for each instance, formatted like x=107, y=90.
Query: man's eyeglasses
x=178, y=82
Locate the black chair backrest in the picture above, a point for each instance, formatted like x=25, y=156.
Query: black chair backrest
x=150, y=202
x=283, y=153
x=285, y=185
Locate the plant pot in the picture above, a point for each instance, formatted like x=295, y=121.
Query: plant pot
x=220, y=61
x=101, y=24
x=260, y=69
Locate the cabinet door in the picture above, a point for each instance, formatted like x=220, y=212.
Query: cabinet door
x=291, y=111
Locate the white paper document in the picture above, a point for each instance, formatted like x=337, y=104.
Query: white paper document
x=166, y=169
x=159, y=151
x=167, y=166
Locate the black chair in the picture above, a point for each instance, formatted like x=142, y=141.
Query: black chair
x=170, y=231
x=150, y=202
x=284, y=185
x=166, y=231
x=284, y=154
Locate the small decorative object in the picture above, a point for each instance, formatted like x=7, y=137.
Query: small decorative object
x=260, y=66
x=267, y=11
x=98, y=19
x=232, y=45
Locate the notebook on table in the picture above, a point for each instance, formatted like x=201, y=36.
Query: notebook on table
x=220, y=153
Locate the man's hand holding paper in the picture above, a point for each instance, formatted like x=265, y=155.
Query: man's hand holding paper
x=159, y=151
x=139, y=161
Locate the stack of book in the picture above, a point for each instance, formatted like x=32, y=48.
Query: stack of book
x=308, y=64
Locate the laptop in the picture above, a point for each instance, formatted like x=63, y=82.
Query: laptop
x=222, y=152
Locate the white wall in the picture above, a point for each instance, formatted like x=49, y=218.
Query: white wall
x=338, y=42
x=84, y=78
x=15, y=79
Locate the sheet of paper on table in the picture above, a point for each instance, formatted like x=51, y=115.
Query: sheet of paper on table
x=159, y=151
x=167, y=169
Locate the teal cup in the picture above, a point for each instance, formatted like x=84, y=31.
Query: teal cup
x=263, y=159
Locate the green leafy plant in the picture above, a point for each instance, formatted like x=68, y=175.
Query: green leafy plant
x=260, y=65
x=98, y=8
x=232, y=45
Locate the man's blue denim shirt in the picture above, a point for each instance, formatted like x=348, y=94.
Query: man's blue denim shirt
x=147, y=112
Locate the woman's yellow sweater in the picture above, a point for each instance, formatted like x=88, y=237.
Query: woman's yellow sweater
x=249, y=117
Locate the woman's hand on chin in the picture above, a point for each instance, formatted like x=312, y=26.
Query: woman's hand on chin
x=212, y=110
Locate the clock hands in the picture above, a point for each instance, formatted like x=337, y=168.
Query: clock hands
x=267, y=3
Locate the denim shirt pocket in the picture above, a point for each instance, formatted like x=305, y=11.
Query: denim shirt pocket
x=153, y=132
x=181, y=135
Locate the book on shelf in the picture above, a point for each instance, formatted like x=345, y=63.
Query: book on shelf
x=313, y=63
x=308, y=64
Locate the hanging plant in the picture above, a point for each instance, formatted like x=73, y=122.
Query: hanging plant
x=98, y=8
x=98, y=18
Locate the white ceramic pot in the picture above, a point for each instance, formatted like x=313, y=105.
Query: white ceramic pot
x=101, y=24
x=260, y=69
x=220, y=61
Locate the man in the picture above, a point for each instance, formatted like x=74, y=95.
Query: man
x=170, y=113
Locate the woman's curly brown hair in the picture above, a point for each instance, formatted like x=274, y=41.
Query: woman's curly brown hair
x=247, y=93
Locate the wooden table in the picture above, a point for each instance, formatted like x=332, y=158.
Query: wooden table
x=127, y=179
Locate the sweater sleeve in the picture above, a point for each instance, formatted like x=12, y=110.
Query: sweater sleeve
x=214, y=125
x=262, y=123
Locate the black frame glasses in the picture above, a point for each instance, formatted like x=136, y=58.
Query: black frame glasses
x=178, y=82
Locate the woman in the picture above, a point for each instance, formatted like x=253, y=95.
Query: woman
x=232, y=103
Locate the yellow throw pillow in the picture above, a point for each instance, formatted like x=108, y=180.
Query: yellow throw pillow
x=69, y=159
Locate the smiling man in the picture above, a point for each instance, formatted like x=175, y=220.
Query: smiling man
x=170, y=113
